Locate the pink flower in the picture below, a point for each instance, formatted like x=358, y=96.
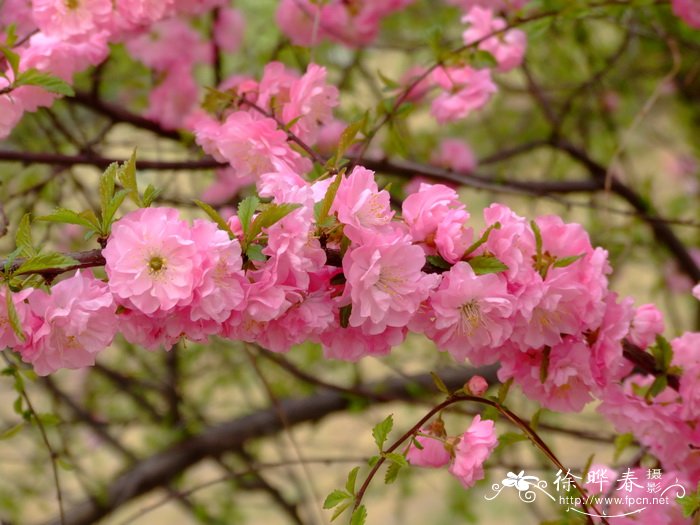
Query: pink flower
x=437, y=219
x=229, y=29
x=559, y=378
x=11, y=111
x=311, y=101
x=696, y=291
x=688, y=11
x=468, y=314
x=143, y=12
x=419, y=88
x=385, y=284
x=64, y=19
x=151, y=260
x=77, y=321
x=352, y=344
x=432, y=455
x=465, y=90
x=472, y=450
x=226, y=186
x=477, y=385
x=508, y=48
x=648, y=322
x=173, y=99
x=456, y=155
x=360, y=205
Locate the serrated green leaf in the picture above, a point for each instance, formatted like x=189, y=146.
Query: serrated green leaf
x=327, y=202
x=12, y=59
x=663, y=353
x=12, y=431
x=359, y=516
x=340, y=509
x=567, y=261
x=254, y=253
x=106, y=190
x=269, y=216
x=246, y=210
x=23, y=237
x=149, y=195
x=509, y=438
x=439, y=383
x=392, y=473
x=372, y=461
x=347, y=137
x=381, y=431
x=658, y=386
x=352, y=479
x=484, y=264
x=65, y=216
x=13, y=317
x=51, y=83
x=127, y=178
x=218, y=219
x=481, y=59
x=438, y=262
x=111, y=210
x=396, y=458
x=334, y=498
x=45, y=261
x=690, y=503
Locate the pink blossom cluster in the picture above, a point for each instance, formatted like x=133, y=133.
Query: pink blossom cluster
x=464, y=455
x=250, y=139
x=354, y=23
x=688, y=11
x=63, y=38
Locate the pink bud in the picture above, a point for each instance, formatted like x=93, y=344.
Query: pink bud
x=477, y=386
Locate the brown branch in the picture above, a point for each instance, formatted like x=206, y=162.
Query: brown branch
x=158, y=470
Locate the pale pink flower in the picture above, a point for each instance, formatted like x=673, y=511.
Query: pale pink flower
x=465, y=90
x=385, y=284
x=432, y=455
x=275, y=87
x=227, y=184
x=469, y=313
x=696, y=291
x=456, y=155
x=173, y=98
x=64, y=19
x=507, y=47
x=472, y=450
x=311, y=101
x=360, y=205
x=172, y=43
x=143, y=12
x=688, y=11
x=352, y=344
x=77, y=322
x=11, y=111
x=151, y=260
x=229, y=29
x=19, y=13
x=648, y=322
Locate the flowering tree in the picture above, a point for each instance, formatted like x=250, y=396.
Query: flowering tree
x=225, y=226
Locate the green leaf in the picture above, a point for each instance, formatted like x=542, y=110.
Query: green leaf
x=327, y=202
x=65, y=216
x=658, y=386
x=503, y=391
x=438, y=262
x=127, y=178
x=481, y=59
x=45, y=261
x=509, y=438
x=439, y=383
x=246, y=210
x=149, y=195
x=254, y=253
x=663, y=353
x=33, y=77
x=381, y=431
x=359, y=516
x=352, y=478
x=538, y=239
x=484, y=237
x=399, y=459
x=214, y=215
x=334, y=498
x=13, y=317
x=392, y=473
x=484, y=264
x=269, y=216
x=342, y=508
x=12, y=59
x=372, y=461
x=106, y=190
x=48, y=419
x=344, y=313
x=347, y=137
x=567, y=261
x=23, y=237
x=388, y=83
x=12, y=431
x=690, y=503
x=111, y=210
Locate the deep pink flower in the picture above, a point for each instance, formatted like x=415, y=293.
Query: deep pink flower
x=171, y=101
x=77, y=322
x=229, y=29
x=688, y=11
x=507, y=47
x=311, y=101
x=472, y=450
x=432, y=455
x=151, y=260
